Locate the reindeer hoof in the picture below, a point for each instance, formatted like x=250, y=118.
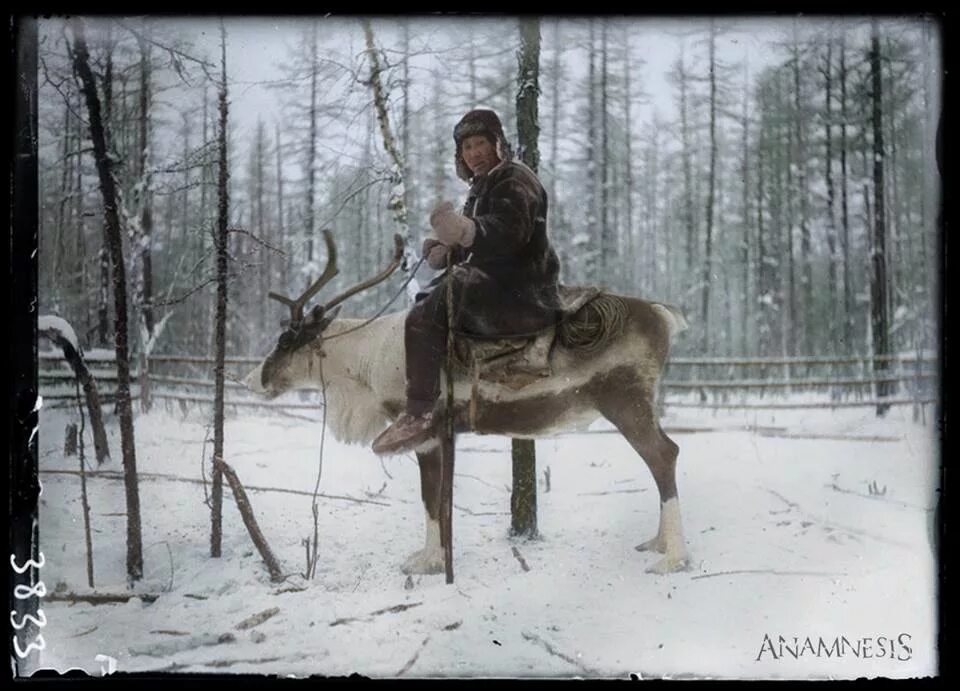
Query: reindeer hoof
x=423, y=562
x=656, y=544
x=670, y=565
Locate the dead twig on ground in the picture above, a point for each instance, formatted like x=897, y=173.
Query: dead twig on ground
x=115, y=475
x=385, y=610
x=99, y=598
x=769, y=572
x=613, y=491
x=413, y=659
x=257, y=619
x=546, y=645
x=523, y=562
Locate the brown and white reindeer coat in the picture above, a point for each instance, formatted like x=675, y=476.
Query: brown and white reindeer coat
x=363, y=368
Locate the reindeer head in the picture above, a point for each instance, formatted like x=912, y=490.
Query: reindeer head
x=279, y=372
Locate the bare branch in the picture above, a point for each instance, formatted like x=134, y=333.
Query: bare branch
x=256, y=239
x=175, y=54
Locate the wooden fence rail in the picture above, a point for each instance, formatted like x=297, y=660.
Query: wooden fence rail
x=919, y=383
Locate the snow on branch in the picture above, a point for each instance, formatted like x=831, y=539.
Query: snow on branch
x=61, y=328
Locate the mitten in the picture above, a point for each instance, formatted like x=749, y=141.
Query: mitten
x=452, y=228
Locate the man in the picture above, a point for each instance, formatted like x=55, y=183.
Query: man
x=504, y=275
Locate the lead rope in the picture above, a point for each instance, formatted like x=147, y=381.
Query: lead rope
x=383, y=309
x=313, y=551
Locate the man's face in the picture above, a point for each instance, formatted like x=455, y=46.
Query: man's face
x=479, y=154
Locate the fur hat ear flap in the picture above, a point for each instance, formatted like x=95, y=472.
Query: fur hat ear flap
x=463, y=172
x=504, y=152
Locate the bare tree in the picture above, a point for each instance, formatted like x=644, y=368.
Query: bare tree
x=799, y=159
x=223, y=207
x=848, y=307
x=103, y=291
x=311, y=162
x=523, y=500
x=878, y=283
x=748, y=297
x=286, y=266
x=608, y=242
x=707, y=274
x=81, y=61
x=827, y=72
x=681, y=78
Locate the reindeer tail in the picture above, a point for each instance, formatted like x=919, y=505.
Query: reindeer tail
x=673, y=316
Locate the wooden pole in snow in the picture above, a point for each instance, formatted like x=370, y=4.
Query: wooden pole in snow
x=447, y=446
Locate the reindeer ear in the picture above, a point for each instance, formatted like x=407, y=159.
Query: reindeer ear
x=316, y=314
x=329, y=317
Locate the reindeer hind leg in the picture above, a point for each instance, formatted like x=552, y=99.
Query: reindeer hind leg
x=633, y=415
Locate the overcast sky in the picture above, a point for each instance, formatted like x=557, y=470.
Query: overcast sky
x=258, y=45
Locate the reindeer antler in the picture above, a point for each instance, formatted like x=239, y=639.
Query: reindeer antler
x=370, y=282
x=331, y=270
x=296, y=306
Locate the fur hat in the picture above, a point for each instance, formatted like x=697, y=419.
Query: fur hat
x=483, y=122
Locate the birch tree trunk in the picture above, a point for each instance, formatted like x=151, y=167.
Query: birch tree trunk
x=396, y=204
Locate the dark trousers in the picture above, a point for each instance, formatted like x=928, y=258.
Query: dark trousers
x=425, y=335
x=481, y=306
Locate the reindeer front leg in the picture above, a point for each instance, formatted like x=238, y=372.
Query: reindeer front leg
x=428, y=560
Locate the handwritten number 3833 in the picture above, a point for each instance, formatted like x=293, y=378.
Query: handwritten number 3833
x=23, y=592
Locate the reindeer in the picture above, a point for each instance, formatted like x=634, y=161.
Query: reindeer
x=361, y=363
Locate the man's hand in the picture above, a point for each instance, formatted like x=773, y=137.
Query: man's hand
x=452, y=228
x=435, y=252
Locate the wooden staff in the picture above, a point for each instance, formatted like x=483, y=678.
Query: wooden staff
x=446, y=444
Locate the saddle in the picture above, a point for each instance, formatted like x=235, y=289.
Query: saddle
x=518, y=362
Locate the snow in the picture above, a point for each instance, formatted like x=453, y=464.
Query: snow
x=788, y=536
x=51, y=323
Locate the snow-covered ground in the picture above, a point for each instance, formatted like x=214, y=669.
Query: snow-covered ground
x=799, y=524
